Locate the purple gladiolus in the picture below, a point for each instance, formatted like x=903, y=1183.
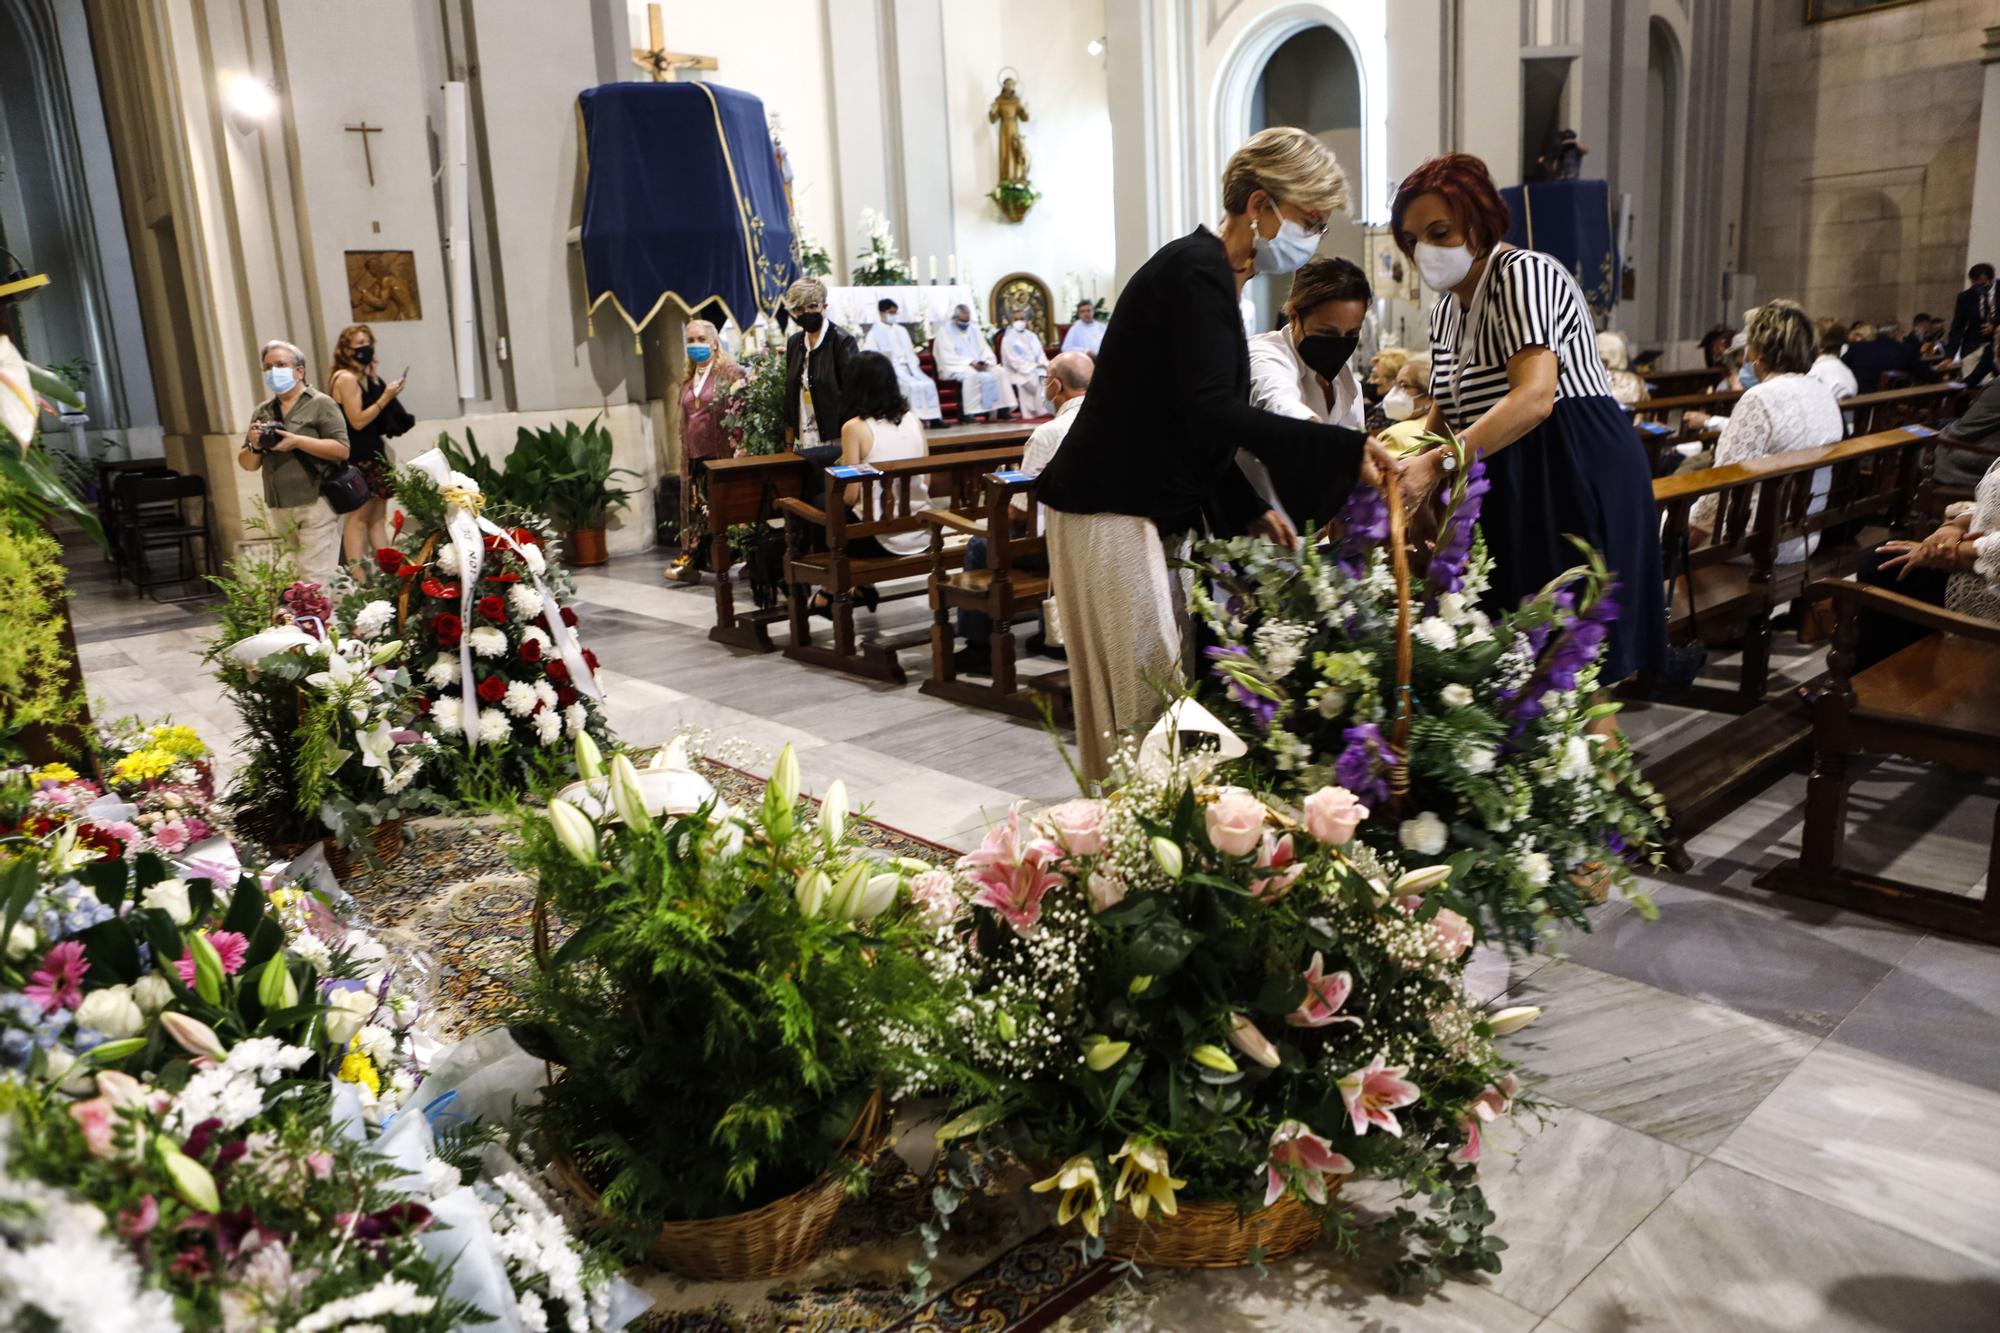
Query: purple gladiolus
x=1363, y=766
x=1364, y=522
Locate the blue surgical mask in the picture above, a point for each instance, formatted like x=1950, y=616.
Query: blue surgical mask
x=280, y=379
x=1748, y=376
x=1288, y=250
x=699, y=352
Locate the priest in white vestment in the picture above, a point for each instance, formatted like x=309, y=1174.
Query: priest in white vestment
x=963, y=354
x=1024, y=364
x=1086, y=335
x=892, y=340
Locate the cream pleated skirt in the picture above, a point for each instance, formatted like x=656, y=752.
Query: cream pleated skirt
x=1122, y=626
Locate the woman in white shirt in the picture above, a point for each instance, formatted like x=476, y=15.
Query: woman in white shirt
x=1785, y=411
x=881, y=429
x=1305, y=369
x=1829, y=369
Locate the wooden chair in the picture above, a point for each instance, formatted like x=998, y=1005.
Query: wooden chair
x=1937, y=701
x=1000, y=591
x=885, y=509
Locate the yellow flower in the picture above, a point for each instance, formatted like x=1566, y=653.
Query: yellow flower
x=180, y=742
x=143, y=765
x=358, y=1068
x=1145, y=1177
x=54, y=773
x=1083, y=1194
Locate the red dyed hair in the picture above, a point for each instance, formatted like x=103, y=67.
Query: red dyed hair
x=1468, y=192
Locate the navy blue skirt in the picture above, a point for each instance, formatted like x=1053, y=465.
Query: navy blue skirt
x=1582, y=472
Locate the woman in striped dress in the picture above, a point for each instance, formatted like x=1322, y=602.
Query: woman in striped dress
x=1515, y=371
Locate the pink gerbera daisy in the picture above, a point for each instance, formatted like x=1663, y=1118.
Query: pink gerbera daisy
x=228, y=944
x=58, y=982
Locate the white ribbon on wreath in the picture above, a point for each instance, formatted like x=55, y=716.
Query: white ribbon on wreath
x=465, y=524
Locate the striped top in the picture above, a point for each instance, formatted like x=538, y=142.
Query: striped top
x=1530, y=301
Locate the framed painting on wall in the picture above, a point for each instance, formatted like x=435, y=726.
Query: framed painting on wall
x=1819, y=11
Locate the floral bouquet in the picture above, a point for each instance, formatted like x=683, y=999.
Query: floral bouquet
x=1536, y=812
x=144, y=758
x=740, y=990
x=503, y=679
x=1207, y=1008
x=161, y=815
x=327, y=706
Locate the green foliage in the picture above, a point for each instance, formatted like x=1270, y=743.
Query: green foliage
x=32, y=483
x=494, y=482
x=814, y=261
x=34, y=664
x=753, y=408
x=1018, y=196
x=266, y=789
x=567, y=471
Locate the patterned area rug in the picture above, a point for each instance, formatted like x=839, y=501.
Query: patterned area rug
x=454, y=900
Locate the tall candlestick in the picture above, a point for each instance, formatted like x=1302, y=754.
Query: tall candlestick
x=952, y=260
x=933, y=268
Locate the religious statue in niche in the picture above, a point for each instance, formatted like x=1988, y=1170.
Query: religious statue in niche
x=382, y=286
x=1014, y=196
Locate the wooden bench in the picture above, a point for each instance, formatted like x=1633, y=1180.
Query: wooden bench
x=885, y=509
x=1659, y=435
x=1670, y=383
x=1937, y=701
x=999, y=591
x=745, y=489
x=1886, y=409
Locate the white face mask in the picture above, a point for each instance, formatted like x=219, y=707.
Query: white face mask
x=1288, y=250
x=1399, y=404
x=1443, y=266
x=1020, y=325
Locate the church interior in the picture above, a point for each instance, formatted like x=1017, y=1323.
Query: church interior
x=726, y=741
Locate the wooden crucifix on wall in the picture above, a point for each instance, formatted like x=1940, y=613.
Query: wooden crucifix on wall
x=364, y=129
x=659, y=62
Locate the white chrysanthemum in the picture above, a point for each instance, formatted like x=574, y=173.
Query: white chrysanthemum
x=487, y=641
x=520, y=698
x=310, y=948
x=576, y=718
x=548, y=726
x=373, y=618
x=524, y=601
x=546, y=693
x=442, y=672
x=493, y=726
x=531, y=555
x=447, y=559
x=1437, y=633
x=447, y=716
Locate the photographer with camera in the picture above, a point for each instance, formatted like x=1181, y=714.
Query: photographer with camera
x=298, y=440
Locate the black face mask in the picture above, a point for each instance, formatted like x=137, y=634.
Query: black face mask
x=811, y=321
x=1326, y=353
x=364, y=355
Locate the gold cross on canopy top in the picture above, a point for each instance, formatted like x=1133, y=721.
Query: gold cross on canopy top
x=364, y=129
x=659, y=62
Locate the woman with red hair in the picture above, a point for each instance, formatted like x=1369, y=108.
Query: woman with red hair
x=1515, y=372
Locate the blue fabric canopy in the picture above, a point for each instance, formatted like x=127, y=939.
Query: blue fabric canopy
x=1570, y=220
x=683, y=202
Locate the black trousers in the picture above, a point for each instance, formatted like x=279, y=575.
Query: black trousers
x=1879, y=637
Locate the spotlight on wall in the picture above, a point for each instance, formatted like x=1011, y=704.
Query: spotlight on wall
x=249, y=102
x=1095, y=46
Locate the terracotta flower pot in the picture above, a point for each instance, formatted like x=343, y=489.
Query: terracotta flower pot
x=586, y=547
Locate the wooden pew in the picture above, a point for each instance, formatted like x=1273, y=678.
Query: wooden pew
x=1659, y=435
x=1000, y=591
x=1888, y=408
x=885, y=509
x=1938, y=702
x=745, y=489
x=1669, y=383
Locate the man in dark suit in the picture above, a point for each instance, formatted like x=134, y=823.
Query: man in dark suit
x=1871, y=356
x=1970, y=341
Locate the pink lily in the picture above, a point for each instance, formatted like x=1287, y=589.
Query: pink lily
x=1373, y=1093
x=1301, y=1156
x=1487, y=1107
x=1013, y=873
x=1324, y=996
x=1245, y=1037
x=1276, y=855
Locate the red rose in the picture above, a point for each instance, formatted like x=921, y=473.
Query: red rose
x=569, y=617
x=492, y=688
x=590, y=659
x=390, y=559
x=493, y=608
x=541, y=621
x=565, y=696
x=558, y=670
x=531, y=650
x=447, y=627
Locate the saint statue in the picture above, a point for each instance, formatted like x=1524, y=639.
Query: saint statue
x=1008, y=111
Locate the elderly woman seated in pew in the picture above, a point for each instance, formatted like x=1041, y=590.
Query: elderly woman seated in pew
x=1786, y=410
x=1956, y=567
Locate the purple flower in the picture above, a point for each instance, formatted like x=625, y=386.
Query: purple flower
x=1447, y=567
x=1364, y=765
x=1364, y=522
x=1261, y=710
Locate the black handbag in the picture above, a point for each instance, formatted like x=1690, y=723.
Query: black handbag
x=345, y=489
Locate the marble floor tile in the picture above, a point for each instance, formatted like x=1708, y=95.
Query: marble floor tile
x=1939, y=1010
x=1731, y=1251
x=1903, y=1147
x=1786, y=968
x=1566, y=1191
x=1314, y=1292
x=1678, y=1069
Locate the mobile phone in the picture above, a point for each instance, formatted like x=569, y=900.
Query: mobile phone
x=405, y=375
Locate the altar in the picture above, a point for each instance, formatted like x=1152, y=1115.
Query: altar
x=854, y=307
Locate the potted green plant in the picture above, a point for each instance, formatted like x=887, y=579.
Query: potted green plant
x=568, y=468
x=1014, y=199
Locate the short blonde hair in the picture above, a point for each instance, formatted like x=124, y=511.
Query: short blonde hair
x=1389, y=360
x=1861, y=332
x=1418, y=368
x=1781, y=337
x=804, y=292
x=1291, y=165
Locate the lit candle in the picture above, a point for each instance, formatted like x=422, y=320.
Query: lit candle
x=952, y=262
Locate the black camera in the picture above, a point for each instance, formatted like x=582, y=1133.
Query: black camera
x=268, y=435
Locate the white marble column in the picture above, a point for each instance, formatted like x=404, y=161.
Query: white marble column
x=1983, y=245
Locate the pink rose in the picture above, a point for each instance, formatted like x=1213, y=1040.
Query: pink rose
x=1332, y=814
x=1106, y=891
x=935, y=897
x=1078, y=825
x=1454, y=934
x=1236, y=822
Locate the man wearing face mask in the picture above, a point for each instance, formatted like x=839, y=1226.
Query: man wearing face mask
x=962, y=355
x=1151, y=458
x=1024, y=363
x=1306, y=368
x=297, y=438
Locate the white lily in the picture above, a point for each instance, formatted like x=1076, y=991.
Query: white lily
x=277, y=639
x=19, y=404
x=626, y=795
x=375, y=744
x=833, y=812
